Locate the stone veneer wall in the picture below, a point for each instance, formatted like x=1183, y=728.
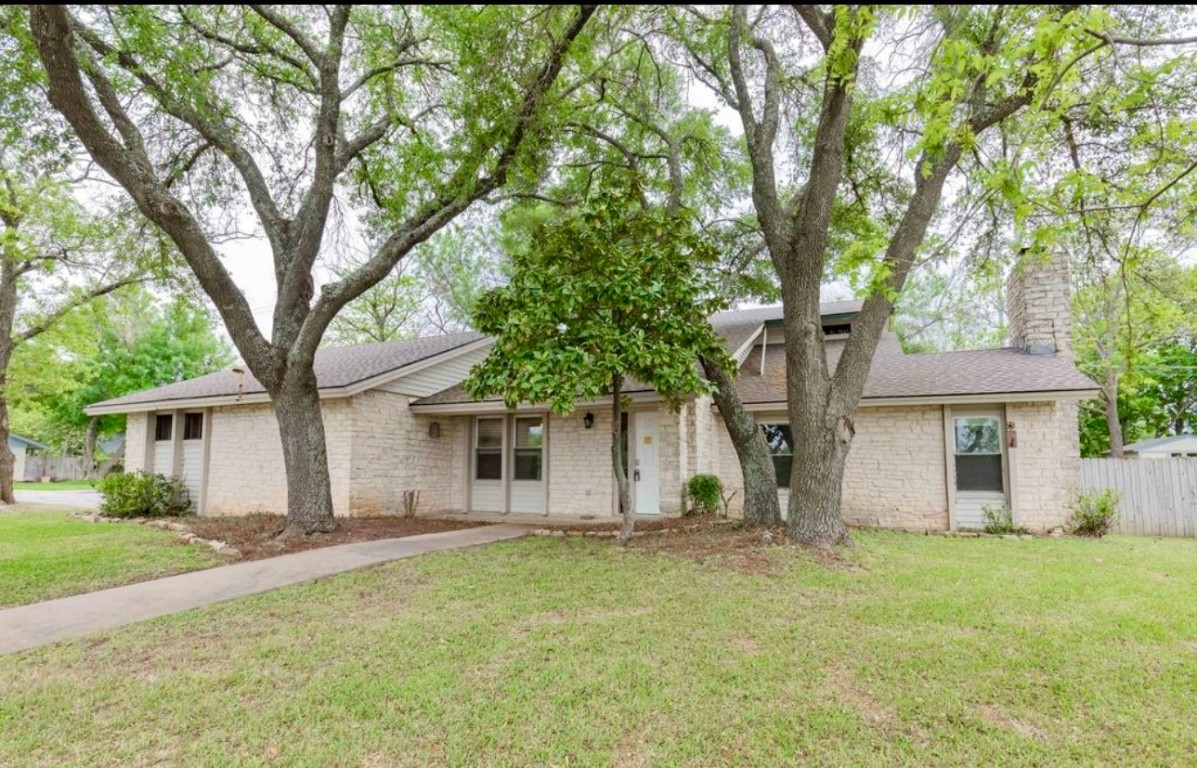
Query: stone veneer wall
x=137, y=431
x=895, y=477
x=1038, y=305
x=579, y=464
x=245, y=469
x=1046, y=464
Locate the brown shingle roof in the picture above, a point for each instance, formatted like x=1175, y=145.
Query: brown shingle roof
x=336, y=367
x=937, y=374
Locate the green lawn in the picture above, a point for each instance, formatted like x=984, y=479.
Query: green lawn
x=921, y=651
x=61, y=485
x=46, y=553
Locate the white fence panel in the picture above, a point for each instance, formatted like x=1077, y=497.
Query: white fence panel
x=1156, y=497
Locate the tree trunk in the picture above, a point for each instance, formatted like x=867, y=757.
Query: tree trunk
x=89, y=446
x=817, y=480
x=305, y=456
x=761, y=507
x=8, y=462
x=621, y=476
x=1109, y=396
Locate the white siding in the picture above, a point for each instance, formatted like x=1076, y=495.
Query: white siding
x=527, y=496
x=436, y=378
x=193, y=470
x=971, y=505
x=486, y=496
x=164, y=457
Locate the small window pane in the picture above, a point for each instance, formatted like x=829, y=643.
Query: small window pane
x=978, y=436
x=529, y=433
x=489, y=465
x=490, y=433
x=979, y=472
x=527, y=465
x=779, y=438
x=193, y=426
x=162, y=426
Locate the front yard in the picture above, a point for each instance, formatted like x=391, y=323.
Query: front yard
x=567, y=651
x=45, y=553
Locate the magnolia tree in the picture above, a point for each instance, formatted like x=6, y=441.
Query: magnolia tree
x=607, y=292
x=213, y=116
x=854, y=119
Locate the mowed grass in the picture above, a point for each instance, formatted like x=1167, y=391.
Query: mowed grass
x=61, y=485
x=917, y=651
x=45, y=553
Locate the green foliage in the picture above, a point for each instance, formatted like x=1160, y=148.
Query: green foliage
x=1000, y=520
x=124, y=342
x=705, y=493
x=607, y=290
x=1094, y=513
x=143, y=494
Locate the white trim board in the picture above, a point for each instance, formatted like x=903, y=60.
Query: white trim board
x=982, y=399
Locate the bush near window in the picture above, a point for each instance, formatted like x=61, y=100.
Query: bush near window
x=706, y=494
x=143, y=494
x=1094, y=513
x=1001, y=520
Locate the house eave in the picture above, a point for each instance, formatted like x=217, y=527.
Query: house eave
x=979, y=398
x=253, y=398
x=498, y=406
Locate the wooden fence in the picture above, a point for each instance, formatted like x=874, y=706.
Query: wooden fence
x=58, y=467
x=1156, y=497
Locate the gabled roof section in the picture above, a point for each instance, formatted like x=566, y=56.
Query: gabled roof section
x=339, y=370
x=895, y=375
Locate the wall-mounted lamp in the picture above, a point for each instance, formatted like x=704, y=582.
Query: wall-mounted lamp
x=1011, y=435
x=434, y=430
x=588, y=420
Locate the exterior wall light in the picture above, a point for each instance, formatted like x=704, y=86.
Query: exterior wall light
x=434, y=430
x=588, y=420
x=1011, y=435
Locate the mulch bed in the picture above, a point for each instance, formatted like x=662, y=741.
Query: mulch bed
x=254, y=535
x=708, y=541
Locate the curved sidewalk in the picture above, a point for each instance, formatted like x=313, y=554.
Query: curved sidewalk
x=28, y=626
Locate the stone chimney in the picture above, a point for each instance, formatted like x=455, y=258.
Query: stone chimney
x=1039, y=305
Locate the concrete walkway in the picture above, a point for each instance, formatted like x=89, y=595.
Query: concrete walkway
x=83, y=499
x=28, y=626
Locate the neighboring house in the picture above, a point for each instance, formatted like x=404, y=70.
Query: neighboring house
x=20, y=447
x=939, y=437
x=1163, y=448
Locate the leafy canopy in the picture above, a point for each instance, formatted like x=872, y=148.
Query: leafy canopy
x=605, y=291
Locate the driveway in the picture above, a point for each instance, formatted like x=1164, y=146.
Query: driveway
x=84, y=499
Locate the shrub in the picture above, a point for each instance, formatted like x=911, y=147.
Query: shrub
x=1094, y=513
x=706, y=494
x=1001, y=520
x=143, y=494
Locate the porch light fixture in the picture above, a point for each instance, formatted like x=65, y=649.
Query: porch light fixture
x=1011, y=435
x=239, y=372
x=434, y=430
x=588, y=420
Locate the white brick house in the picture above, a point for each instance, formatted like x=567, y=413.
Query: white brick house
x=940, y=437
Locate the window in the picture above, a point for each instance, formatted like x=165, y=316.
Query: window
x=488, y=449
x=528, y=448
x=162, y=426
x=978, y=453
x=781, y=445
x=193, y=426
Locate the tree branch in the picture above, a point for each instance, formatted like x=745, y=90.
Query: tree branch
x=44, y=323
x=818, y=23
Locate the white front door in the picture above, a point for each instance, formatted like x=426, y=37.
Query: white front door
x=979, y=465
x=645, y=467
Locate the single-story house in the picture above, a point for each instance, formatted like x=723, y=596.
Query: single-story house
x=1174, y=446
x=939, y=437
x=20, y=447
